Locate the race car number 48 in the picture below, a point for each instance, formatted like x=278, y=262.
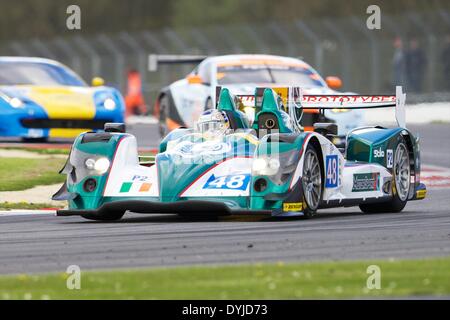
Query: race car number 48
x=332, y=169
x=234, y=182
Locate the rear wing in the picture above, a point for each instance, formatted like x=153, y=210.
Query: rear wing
x=156, y=59
x=295, y=102
x=296, y=99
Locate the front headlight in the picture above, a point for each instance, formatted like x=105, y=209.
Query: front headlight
x=109, y=104
x=277, y=167
x=12, y=101
x=266, y=166
x=274, y=164
x=90, y=164
x=259, y=164
x=100, y=165
x=16, y=103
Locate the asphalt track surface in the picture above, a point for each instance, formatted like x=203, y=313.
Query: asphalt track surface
x=45, y=243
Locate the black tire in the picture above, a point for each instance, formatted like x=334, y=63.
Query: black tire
x=398, y=203
x=163, y=113
x=312, y=179
x=105, y=216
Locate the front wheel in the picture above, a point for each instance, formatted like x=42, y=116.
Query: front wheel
x=400, y=185
x=311, y=182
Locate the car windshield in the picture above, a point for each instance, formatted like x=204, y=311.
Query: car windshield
x=286, y=75
x=34, y=73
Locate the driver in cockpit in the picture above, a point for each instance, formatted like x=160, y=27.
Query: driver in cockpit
x=213, y=123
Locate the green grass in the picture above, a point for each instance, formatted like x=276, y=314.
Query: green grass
x=44, y=151
x=26, y=206
x=439, y=122
x=399, y=278
x=21, y=174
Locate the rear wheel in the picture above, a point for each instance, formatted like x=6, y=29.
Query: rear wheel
x=400, y=184
x=105, y=216
x=311, y=182
x=163, y=112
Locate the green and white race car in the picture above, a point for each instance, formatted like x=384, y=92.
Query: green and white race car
x=224, y=166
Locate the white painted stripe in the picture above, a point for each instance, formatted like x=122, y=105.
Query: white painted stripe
x=26, y=213
x=435, y=177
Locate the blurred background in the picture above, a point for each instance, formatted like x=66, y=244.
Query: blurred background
x=118, y=36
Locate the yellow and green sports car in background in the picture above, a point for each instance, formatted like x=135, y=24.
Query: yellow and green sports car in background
x=41, y=99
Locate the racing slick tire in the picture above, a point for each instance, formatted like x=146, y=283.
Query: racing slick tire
x=311, y=182
x=163, y=111
x=105, y=216
x=400, y=187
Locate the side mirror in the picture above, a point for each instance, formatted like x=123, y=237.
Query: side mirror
x=97, y=82
x=333, y=82
x=194, y=79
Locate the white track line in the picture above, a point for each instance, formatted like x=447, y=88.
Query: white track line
x=26, y=213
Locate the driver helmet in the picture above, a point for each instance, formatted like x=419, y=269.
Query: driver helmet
x=213, y=121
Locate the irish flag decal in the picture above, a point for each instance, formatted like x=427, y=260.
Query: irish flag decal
x=140, y=187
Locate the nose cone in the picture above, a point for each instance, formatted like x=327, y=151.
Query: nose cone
x=64, y=102
x=176, y=174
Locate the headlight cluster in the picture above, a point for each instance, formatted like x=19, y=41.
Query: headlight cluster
x=266, y=166
x=109, y=104
x=105, y=100
x=16, y=103
x=278, y=167
x=100, y=166
x=13, y=101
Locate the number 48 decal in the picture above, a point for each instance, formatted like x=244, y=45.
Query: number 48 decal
x=234, y=182
x=332, y=171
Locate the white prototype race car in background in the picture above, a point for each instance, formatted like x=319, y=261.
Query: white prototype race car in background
x=180, y=103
